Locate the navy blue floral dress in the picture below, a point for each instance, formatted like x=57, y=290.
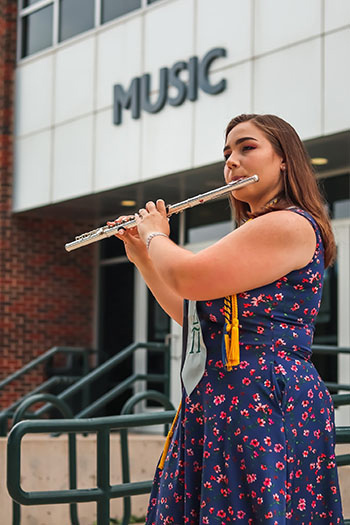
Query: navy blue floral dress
x=256, y=444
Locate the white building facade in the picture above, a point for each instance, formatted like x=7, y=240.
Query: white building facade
x=184, y=68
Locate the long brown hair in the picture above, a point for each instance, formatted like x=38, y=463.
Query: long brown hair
x=300, y=187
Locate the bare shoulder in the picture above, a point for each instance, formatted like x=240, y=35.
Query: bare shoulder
x=283, y=222
x=287, y=232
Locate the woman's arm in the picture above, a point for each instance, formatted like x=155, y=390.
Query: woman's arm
x=259, y=252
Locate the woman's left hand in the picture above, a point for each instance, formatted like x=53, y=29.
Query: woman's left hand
x=152, y=218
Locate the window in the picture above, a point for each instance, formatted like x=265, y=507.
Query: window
x=37, y=29
x=114, y=8
x=44, y=23
x=76, y=16
x=26, y=3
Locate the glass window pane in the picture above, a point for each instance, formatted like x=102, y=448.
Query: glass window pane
x=26, y=3
x=113, y=8
x=76, y=16
x=337, y=192
x=152, y=1
x=37, y=31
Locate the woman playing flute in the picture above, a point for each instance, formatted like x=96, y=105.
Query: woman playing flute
x=254, y=438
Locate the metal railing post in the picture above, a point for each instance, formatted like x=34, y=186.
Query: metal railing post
x=103, y=476
x=72, y=450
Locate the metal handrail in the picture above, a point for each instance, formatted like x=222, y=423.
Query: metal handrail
x=41, y=359
x=86, y=381
x=83, y=384
x=72, y=450
x=104, y=492
x=7, y=413
x=128, y=407
x=330, y=349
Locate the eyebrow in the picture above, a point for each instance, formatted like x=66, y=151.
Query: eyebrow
x=238, y=141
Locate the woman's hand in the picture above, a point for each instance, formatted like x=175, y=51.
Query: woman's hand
x=135, y=248
x=152, y=218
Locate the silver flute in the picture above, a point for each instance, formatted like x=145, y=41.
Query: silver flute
x=108, y=231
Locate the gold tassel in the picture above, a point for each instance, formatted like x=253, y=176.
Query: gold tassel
x=231, y=336
x=168, y=439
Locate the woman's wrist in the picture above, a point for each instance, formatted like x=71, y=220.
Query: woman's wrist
x=152, y=235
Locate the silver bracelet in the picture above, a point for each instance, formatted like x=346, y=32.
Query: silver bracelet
x=152, y=235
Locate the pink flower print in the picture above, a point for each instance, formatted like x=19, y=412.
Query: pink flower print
x=219, y=399
x=240, y=514
x=301, y=504
x=278, y=447
x=280, y=342
x=257, y=300
x=280, y=465
x=213, y=318
x=267, y=482
x=260, y=330
x=246, y=313
x=279, y=296
x=295, y=306
x=251, y=478
x=254, y=442
x=234, y=400
x=208, y=389
x=267, y=441
x=328, y=426
x=315, y=277
x=298, y=287
x=246, y=381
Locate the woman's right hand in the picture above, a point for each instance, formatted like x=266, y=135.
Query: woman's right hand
x=135, y=248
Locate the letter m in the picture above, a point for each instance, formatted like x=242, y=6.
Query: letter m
x=126, y=99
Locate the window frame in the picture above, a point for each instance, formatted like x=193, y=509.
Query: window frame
x=23, y=12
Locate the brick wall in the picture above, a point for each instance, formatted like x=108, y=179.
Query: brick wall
x=46, y=295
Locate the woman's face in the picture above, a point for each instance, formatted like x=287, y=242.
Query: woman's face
x=247, y=152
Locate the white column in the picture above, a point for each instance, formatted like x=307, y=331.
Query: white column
x=140, y=331
x=342, y=234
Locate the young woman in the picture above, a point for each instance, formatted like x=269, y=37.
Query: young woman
x=254, y=438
